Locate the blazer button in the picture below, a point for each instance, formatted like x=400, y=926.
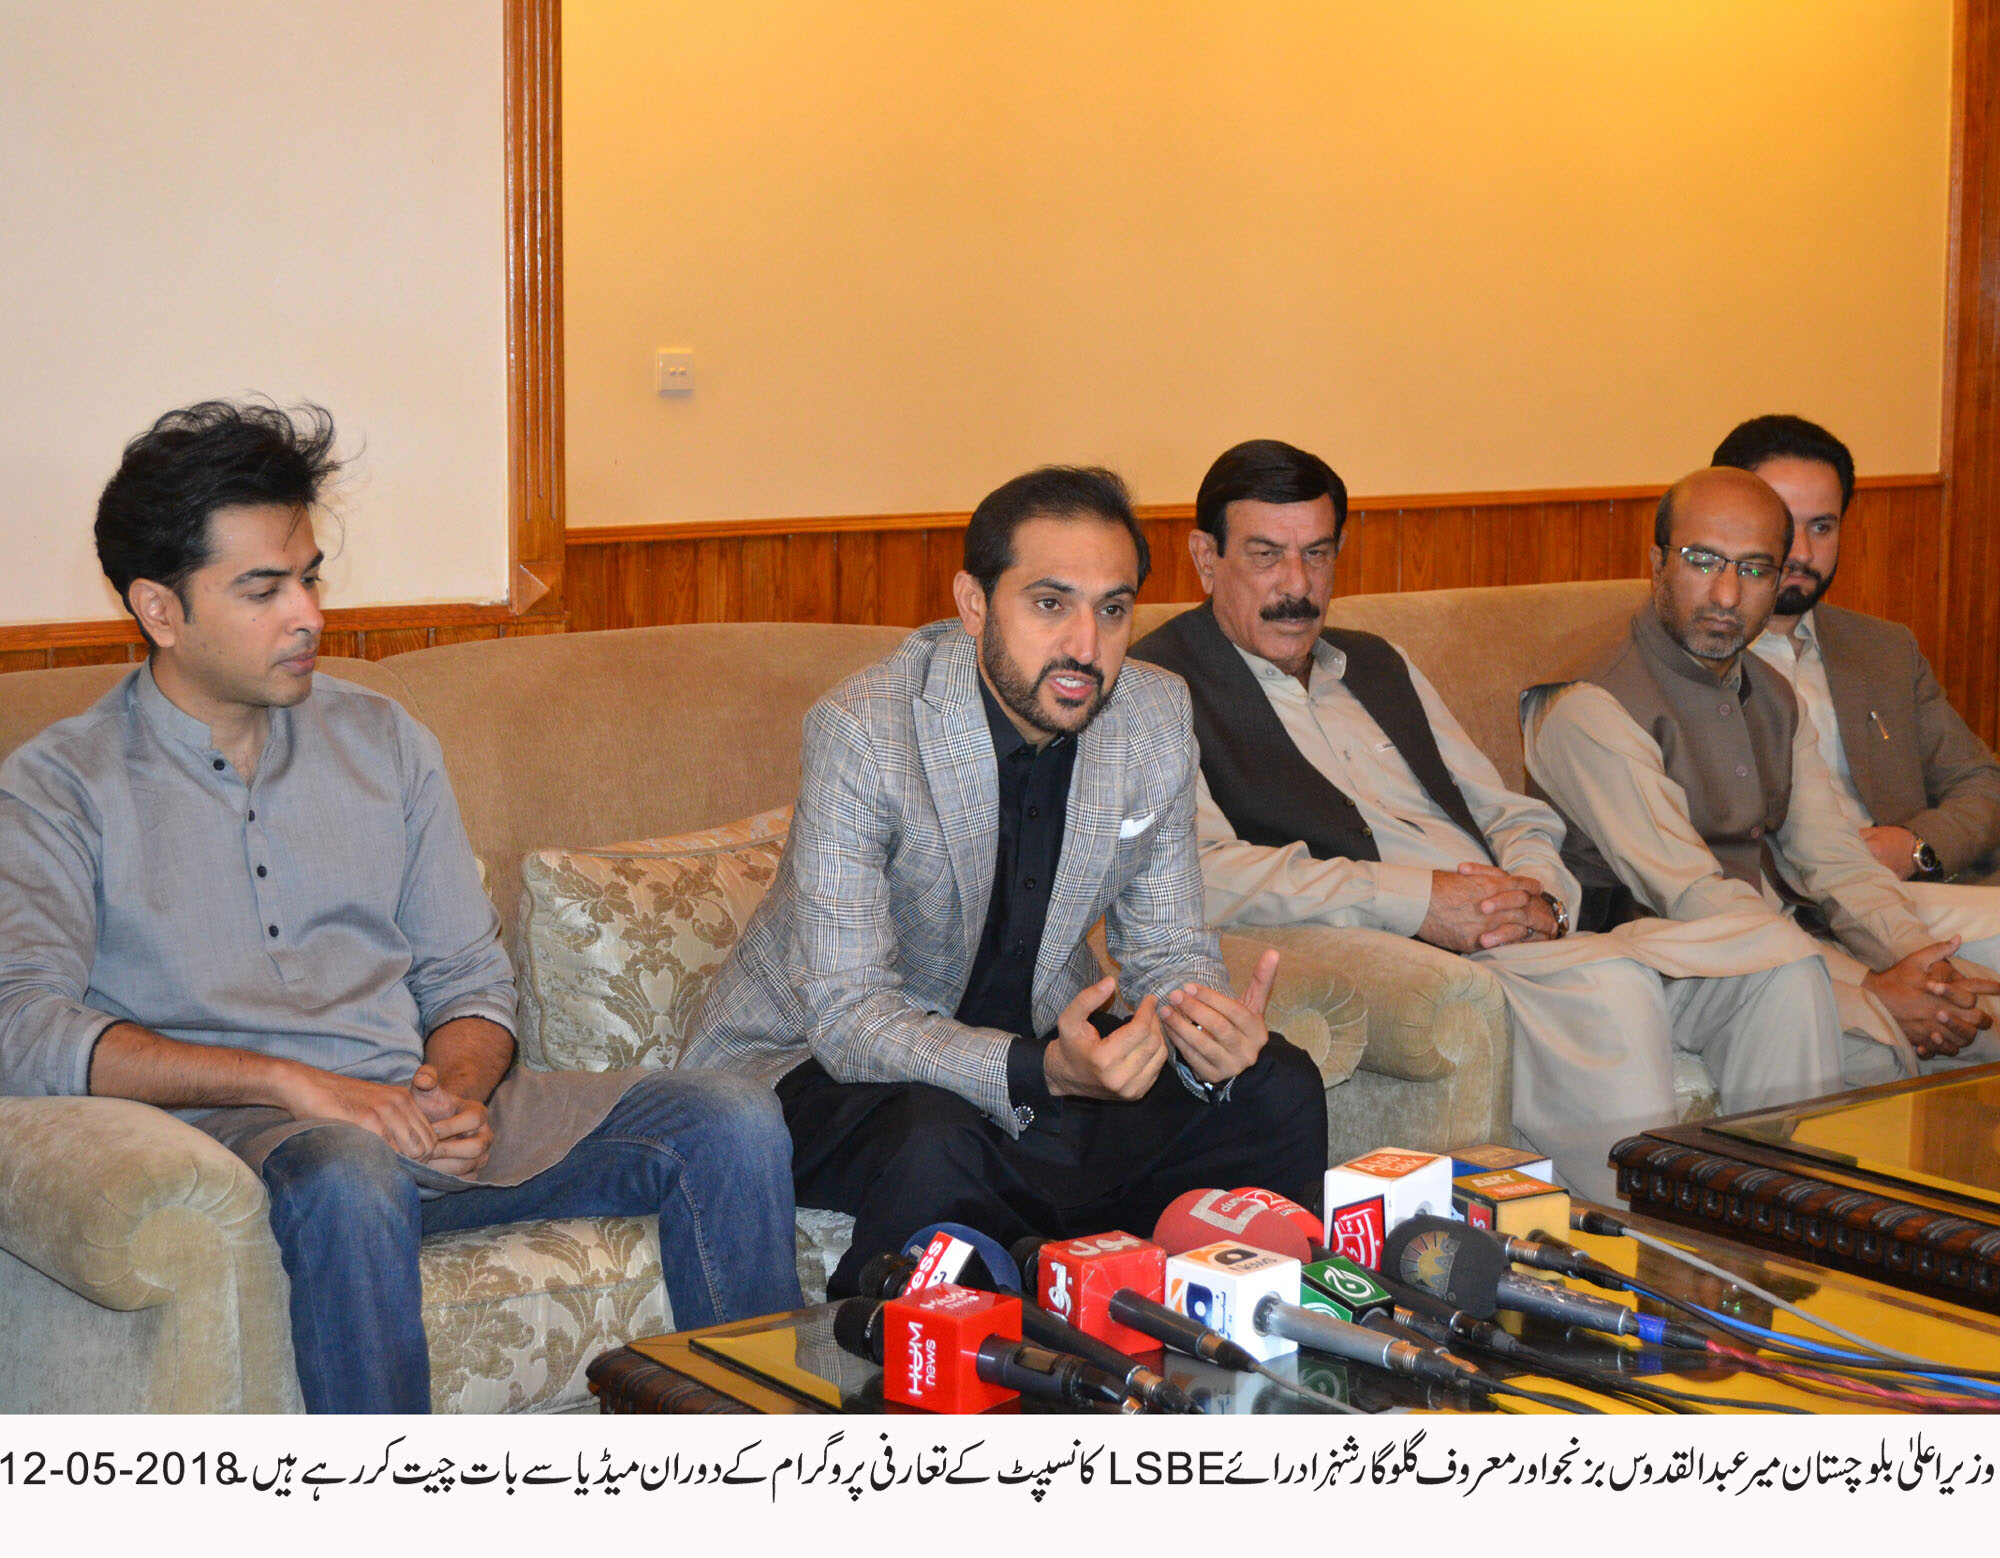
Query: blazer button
x=1742, y=772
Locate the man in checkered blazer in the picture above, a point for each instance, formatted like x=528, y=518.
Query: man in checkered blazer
x=917, y=984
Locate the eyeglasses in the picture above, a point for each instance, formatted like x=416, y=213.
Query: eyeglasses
x=1708, y=564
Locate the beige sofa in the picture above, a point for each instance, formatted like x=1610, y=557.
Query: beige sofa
x=136, y=1269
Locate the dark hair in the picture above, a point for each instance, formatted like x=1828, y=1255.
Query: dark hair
x=1751, y=443
x=1265, y=471
x=152, y=520
x=1052, y=492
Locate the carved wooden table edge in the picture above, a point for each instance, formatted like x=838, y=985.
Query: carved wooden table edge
x=1921, y=1242
x=628, y=1381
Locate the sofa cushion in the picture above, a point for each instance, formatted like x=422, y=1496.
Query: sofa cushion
x=513, y=1314
x=618, y=942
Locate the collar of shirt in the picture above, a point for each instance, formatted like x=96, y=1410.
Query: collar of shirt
x=171, y=721
x=1007, y=739
x=1804, y=638
x=1326, y=659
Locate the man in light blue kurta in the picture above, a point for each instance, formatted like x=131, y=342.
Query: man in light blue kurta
x=242, y=891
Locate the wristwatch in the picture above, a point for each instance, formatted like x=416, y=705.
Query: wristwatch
x=1561, y=911
x=1928, y=867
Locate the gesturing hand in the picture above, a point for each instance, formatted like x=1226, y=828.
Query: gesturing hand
x=1221, y=1036
x=1081, y=1063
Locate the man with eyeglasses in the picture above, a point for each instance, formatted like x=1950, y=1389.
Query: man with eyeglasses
x=1923, y=790
x=1337, y=789
x=1693, y=788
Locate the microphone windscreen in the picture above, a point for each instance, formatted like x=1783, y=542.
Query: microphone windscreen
x=1448, y=1260
x=990, y=1268
x=857, y=1328
x=1208, y=1216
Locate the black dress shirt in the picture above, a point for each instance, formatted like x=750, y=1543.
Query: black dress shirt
x=1034, y=805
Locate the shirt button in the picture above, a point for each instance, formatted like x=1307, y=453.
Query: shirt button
x=1029, y=885
x=262, y=872
x=1742, y=772
x=273, y=929
x=253, y=816
x=1020, y=947
x=1757, y=831
x=1034, y=811
x=1722, y=709
x=218, y=765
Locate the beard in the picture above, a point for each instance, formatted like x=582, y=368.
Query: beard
x=1795, y=600
x=1021, y=692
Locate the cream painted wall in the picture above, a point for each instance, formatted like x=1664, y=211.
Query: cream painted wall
x=214, y=197
x=1450, y=244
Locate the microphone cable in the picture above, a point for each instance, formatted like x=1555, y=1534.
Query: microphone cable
x=1589, y=1220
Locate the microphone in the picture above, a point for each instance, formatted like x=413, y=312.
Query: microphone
x=1206, y=1216
x=1469, y=1270
x=928, y=1346
x=893, y=1276
x=1182, y=1333
x=1358, y=1343
x=1075, y=1278
x=1300, y=1218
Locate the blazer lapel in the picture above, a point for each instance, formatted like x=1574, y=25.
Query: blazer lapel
x=1090, y=836
x=956, y=749
x=1853, y=701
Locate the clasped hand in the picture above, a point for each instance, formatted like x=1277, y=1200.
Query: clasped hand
x=424, y=1121
x=1217, y=1036
x=1479, y=907
x=1934, y=1001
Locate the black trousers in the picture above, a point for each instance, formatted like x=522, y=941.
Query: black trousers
x=901, y=1155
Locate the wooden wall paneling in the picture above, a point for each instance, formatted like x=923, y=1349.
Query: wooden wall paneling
x=1437, y=549
x=900, y=577
x=1632, y=538
x=466, y=633
x=944, y=556
x=857, y=595
x=535, y=500
x=811, y=578
x=717, y=581
x=1969, y=602
x=380, y=643
x=1524, y=544
x=680, y=584
x=535, y=627
x=762, y=591
x=89, y=654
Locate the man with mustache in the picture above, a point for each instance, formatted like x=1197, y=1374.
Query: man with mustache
x=241, y=890
x=917, y=984
x=1910, y=774
x=1695, y=787
x=1337, y=789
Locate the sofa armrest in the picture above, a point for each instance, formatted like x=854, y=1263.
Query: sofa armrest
x=1313, y=1004
x=1402, y=987
x=98, y=1193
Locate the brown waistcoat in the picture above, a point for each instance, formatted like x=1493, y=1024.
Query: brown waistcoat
x=1731, y=751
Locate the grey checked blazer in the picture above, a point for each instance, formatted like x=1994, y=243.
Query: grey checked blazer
x=861, y=951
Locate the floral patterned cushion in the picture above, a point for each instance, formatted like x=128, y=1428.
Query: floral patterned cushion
x=514, y=1314
x=618, y=942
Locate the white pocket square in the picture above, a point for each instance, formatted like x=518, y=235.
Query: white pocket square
x=1132, y=827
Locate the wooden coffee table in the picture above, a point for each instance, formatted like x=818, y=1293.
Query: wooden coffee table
x=1899, y=1183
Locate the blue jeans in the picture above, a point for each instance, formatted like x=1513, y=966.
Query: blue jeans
x=705, y=1151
